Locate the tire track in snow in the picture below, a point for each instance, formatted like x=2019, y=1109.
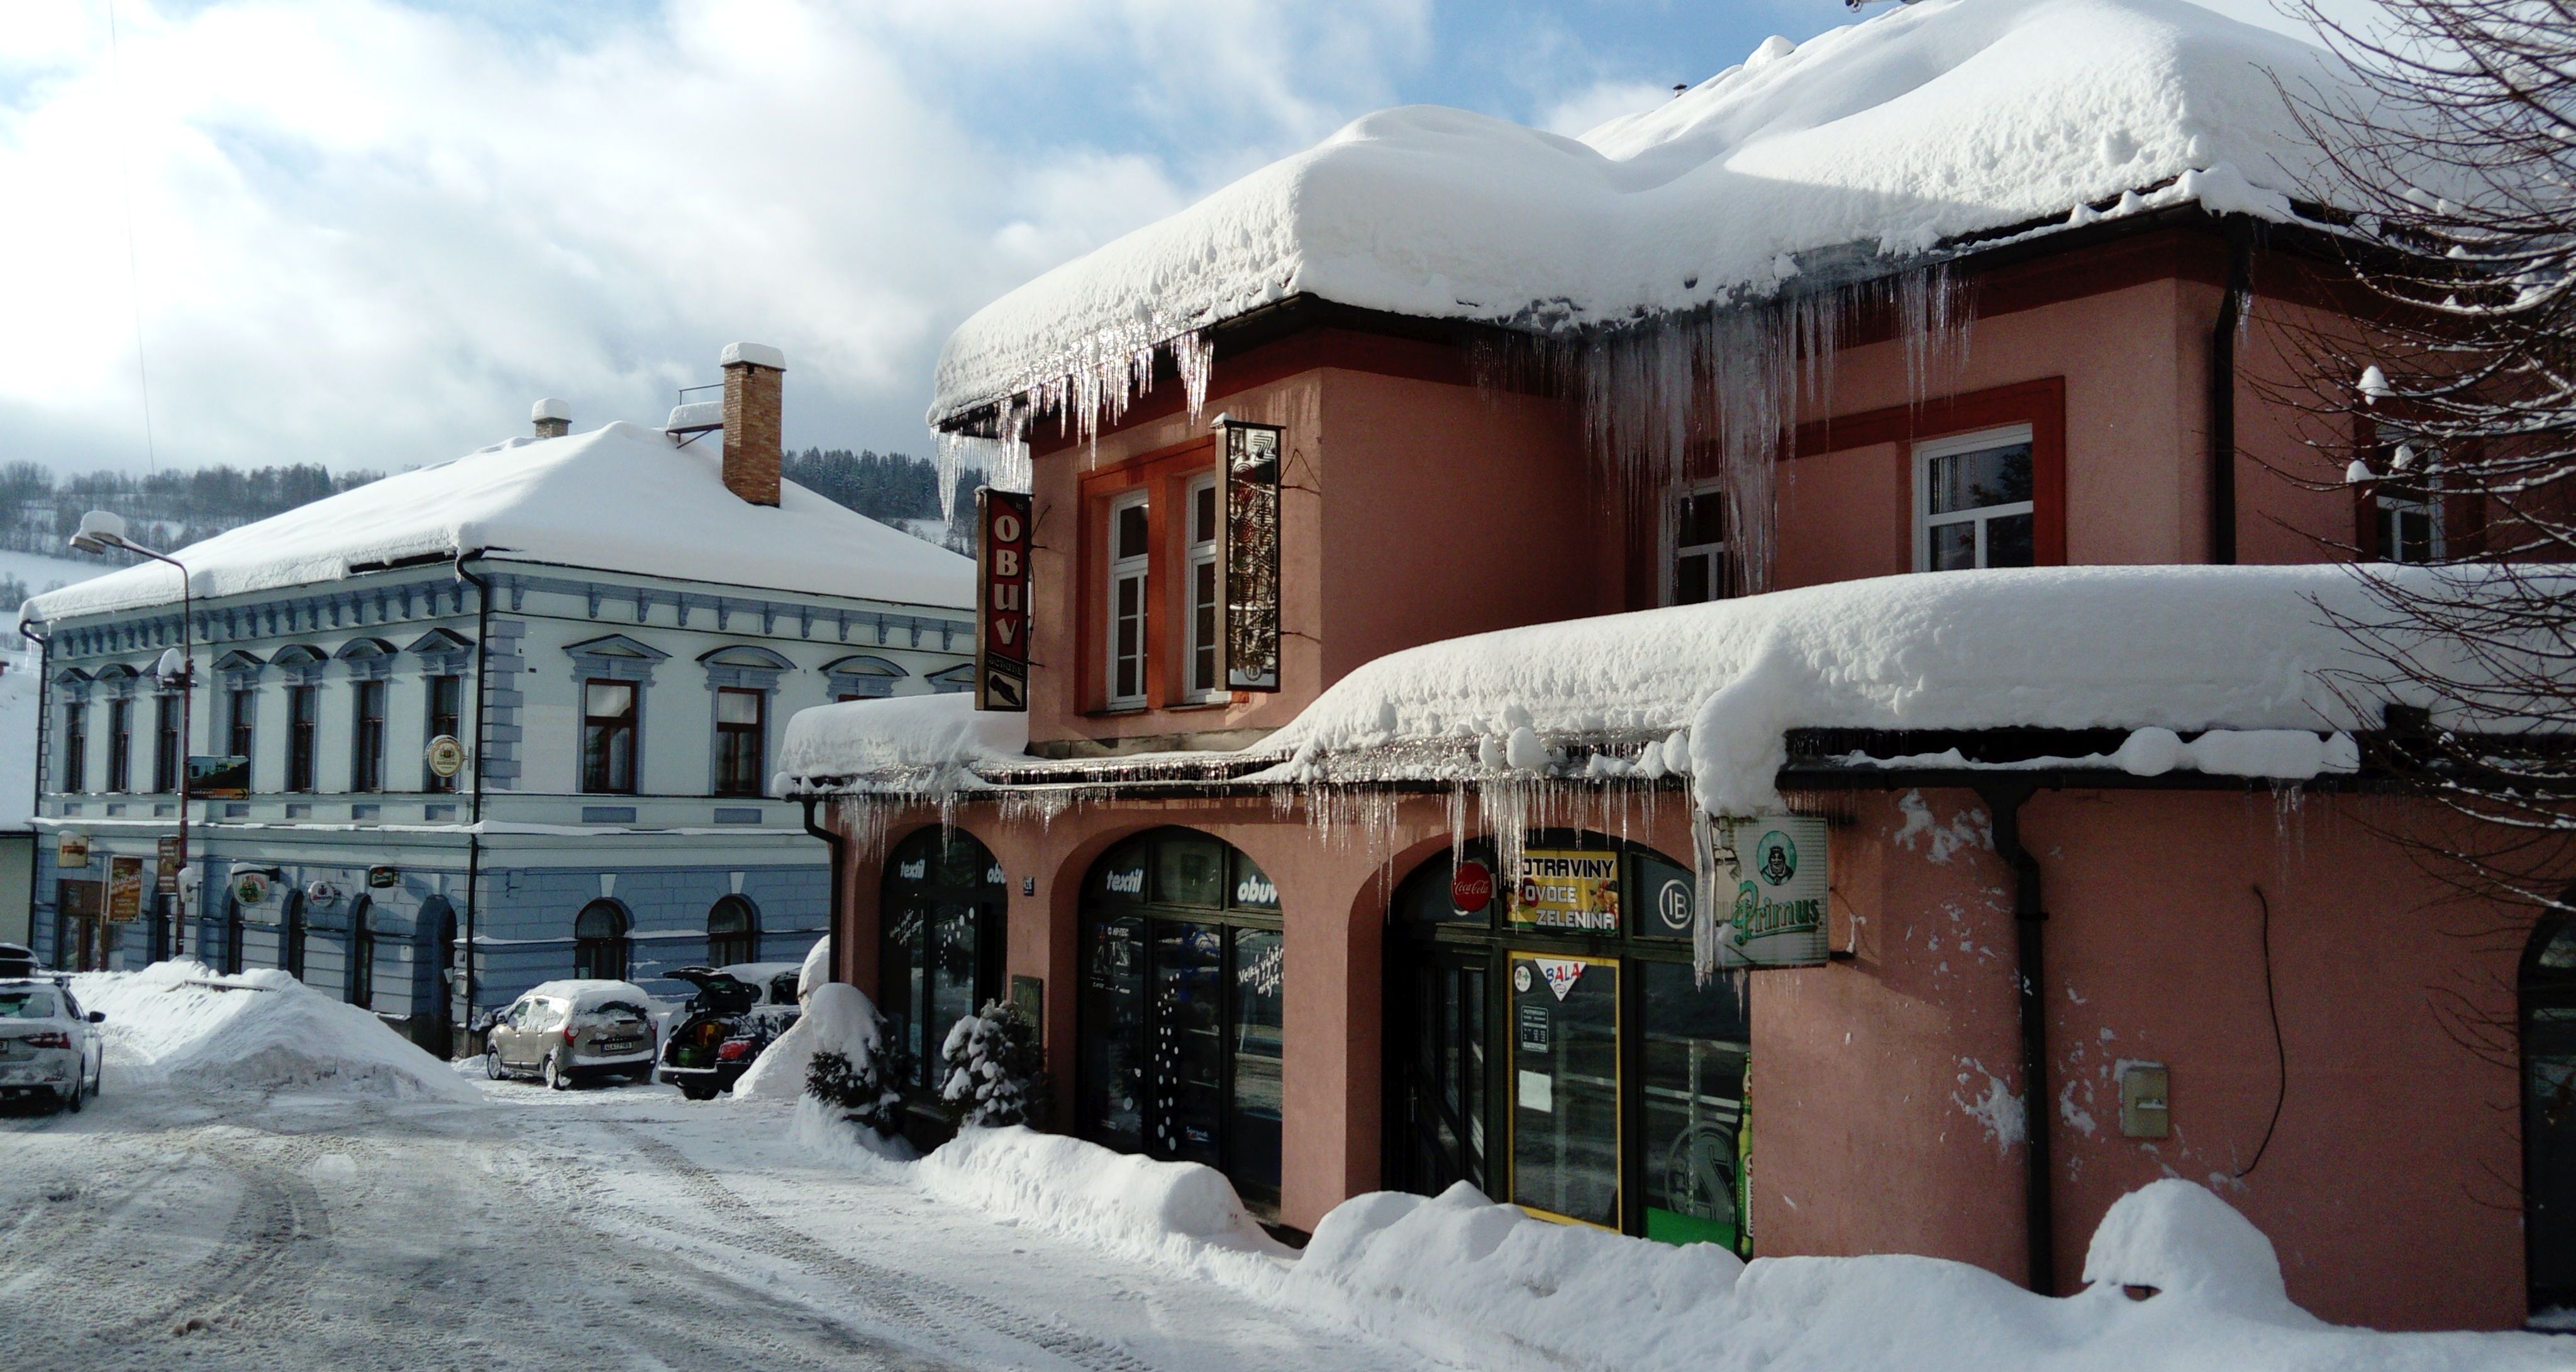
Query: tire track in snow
x=900, y=1298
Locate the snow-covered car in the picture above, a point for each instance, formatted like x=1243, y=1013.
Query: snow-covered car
x=46, y=1043
x=729, y=1021
x=563, y=1032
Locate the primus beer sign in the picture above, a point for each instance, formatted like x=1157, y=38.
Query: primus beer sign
x=1776, y=917
x=1573, y=891
x=1001, y=600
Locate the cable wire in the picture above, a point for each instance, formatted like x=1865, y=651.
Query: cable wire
x=2280, y=1054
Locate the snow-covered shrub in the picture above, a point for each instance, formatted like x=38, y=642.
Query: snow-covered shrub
x=994, y=1069
x=853, y=1068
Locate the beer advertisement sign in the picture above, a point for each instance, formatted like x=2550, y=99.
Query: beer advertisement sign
x=1575, y=892
x=124, y=889
x=1776, y=914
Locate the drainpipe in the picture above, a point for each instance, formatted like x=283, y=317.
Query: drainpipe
x=44, y=712
x=474, y=832
x=2222, y=391
x=2003, y=800
x=836, y=844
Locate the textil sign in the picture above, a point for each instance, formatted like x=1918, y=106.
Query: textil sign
x=1776, y=916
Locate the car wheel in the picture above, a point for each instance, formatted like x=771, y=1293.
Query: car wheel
x=492, y=1064
x=98, y=1083
x=72, y=1101
x=555, y=1078
x=697, y=1090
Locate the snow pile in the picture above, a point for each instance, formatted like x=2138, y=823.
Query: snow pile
x=182, y=1024
x=779, y=1072
x=2250, y=658
x=897, y=742
x=817, y=970
x=1459, y=1277
x=2181, y=649
x=1125, y=1203
x=621, y=498
x=1881, y=139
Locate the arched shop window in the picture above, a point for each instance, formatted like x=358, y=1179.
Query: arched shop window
x=2549, y=1117
x=1548, y=1041
x=733, y=932
x=362, y=954
x=1183, y=1006
x=939, y=949
x=599, y=947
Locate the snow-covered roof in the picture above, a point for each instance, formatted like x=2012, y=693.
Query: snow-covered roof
x=621, y=498
x=1713, y=690
x=1921, y=122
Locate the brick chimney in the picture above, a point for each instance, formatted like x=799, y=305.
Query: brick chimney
x=752, y=376
x=552, y=417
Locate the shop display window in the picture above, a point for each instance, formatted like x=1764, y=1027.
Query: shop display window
x=939, y=945
x=1696, y=1146
x=1183, y=1008
x=1565, y=1087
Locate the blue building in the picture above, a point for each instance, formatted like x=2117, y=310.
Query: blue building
x=508, y=718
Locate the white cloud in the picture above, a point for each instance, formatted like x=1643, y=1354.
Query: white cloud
x=369, y=234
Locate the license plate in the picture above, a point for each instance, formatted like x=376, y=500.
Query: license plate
x=617, y=1045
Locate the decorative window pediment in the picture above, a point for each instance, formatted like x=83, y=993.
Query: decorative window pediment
x=615, y=657
x=955, y=679
x=862, y=676
x=301, y=663
x=744, y=665
x=441, y=650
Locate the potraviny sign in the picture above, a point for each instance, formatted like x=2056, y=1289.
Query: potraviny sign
x=1769, y=904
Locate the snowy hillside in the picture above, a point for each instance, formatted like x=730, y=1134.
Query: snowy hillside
x=1882, y=138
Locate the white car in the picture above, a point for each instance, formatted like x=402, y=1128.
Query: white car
x=46, y=1043
x=564, y=1032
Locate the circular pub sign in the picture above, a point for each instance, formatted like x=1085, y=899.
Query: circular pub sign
x=446, y=756
x=1471, y=887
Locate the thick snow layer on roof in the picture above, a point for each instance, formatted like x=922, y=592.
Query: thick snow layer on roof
x=621, y=498
x=1921, y=122
x=1713, y=690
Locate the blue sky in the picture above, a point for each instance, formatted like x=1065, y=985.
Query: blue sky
x=370, y=233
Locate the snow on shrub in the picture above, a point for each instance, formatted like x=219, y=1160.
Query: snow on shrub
x=853, y=1066
x=1126, y=1203
x=994, y=1069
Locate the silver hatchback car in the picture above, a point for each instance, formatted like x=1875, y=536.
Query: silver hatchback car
x=570, y=1031
x=47, y=1045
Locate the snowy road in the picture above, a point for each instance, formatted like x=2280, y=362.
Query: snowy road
x=607, y=1228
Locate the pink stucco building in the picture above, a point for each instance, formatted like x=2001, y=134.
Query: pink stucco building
x=2046, y=986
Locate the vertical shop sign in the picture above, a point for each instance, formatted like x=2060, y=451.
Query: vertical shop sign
x=1001, y=600
x=167, y=860
x=1251, y=557
x=1577, y=892
x=1776, y=914
x=124, y=889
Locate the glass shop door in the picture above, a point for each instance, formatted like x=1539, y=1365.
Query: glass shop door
x=1564, y=1036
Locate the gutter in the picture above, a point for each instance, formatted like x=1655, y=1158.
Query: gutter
x=2003, y=800
x=474, y=831
x=837, y=846
x=2222, y=391
x=44, y=711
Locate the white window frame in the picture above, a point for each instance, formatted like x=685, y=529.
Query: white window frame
x=1675, y=550
x=1951, y=445
x=2428, y=504
x=1202, y=553
x=1121, y=571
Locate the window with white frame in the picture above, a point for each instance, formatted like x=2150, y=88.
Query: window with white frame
x=1129, y=547
x=1699, y=568
x=1972, y=498
x=1207, y=607
x=2410, y=525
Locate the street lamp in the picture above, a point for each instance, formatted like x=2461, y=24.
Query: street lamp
x=101, y=530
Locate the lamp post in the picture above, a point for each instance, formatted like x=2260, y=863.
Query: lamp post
x=101, y=530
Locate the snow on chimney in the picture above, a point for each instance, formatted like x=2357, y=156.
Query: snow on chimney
x=752, y=376
x=552, y=417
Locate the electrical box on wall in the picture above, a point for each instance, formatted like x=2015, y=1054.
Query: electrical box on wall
x=2144, y=1113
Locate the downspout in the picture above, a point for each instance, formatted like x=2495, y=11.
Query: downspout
x=474, y=830
x=2003, y=802
x=44, y=713
x=2222, y=391
x=836, y=844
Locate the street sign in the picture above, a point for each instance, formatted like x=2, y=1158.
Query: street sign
x=124, y=888
x=218, y=778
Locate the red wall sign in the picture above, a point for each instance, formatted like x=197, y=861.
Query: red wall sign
x=1001, y=600
x=1471, y=887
